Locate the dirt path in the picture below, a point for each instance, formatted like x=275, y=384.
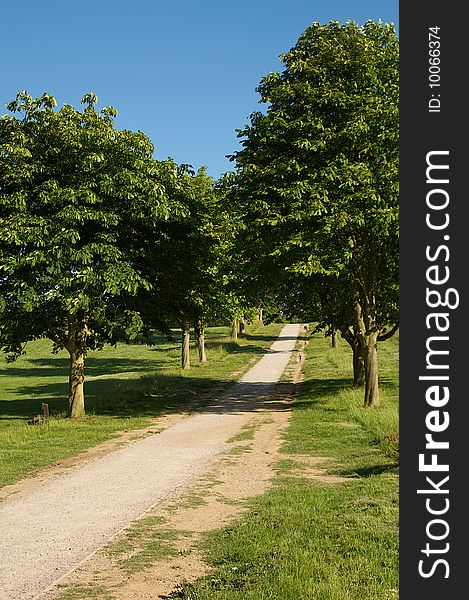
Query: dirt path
x=48, y=530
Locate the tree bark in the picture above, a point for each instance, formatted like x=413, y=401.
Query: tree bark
x=185, y=355
x=355, y=342
x=371, y=371
x=76, y=394
x=367, y=332
x=76, y=345
x=242, y=324
x=333, y=340
x=200, y=332
x=358, y=364
x=234, y=329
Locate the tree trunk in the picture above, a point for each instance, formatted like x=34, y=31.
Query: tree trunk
x=367, y=333
x=185, y=355
x=355, y=342
x=234, y=329
x=76, y=345
x=242, y=324
x=333, y=340
x=200, y=332
x=76, y=394
x=358, y=364
x=259, y=314
x=371, y=371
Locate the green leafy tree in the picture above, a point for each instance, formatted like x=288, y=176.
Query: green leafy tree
x=73, y=192
x=317, y=176
x=184, y=258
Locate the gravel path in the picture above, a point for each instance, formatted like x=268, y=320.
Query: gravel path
x=47, y=532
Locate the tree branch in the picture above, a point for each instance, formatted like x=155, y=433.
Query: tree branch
x=347, y=335
x=53, y=335
x=388, y=334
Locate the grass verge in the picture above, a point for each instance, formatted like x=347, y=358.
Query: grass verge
x=125, y=387
x=323, y=534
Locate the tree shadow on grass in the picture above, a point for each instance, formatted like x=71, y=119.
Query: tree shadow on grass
x=145, y=396
x=24, y=409
x=165, y=349
x=148, y=397
x=95, y=366
x=319, y=390
x=371, y=470
x=229, y=347
x=123, y=396
x=234, y=348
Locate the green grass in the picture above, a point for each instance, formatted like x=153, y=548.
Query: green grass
x=311, y=539
x=124, y=387
x=247, y=433
x=243, y=449
x=88, y=591
x=144, y=543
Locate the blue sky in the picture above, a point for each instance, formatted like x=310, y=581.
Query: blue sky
x=184, y=73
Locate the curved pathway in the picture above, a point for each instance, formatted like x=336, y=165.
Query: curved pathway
x=48, y=531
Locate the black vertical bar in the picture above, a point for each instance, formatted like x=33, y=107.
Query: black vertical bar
x=434, y=238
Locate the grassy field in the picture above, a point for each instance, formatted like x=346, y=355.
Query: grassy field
x=124, y=387
x=329, y=538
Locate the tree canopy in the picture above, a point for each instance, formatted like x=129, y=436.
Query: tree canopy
x=74, y=191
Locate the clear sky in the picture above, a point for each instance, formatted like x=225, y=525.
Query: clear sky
x=183, y=72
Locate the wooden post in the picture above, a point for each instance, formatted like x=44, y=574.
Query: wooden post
x=45, y=411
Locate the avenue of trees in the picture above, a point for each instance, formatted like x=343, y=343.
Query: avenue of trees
x=100, y=242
